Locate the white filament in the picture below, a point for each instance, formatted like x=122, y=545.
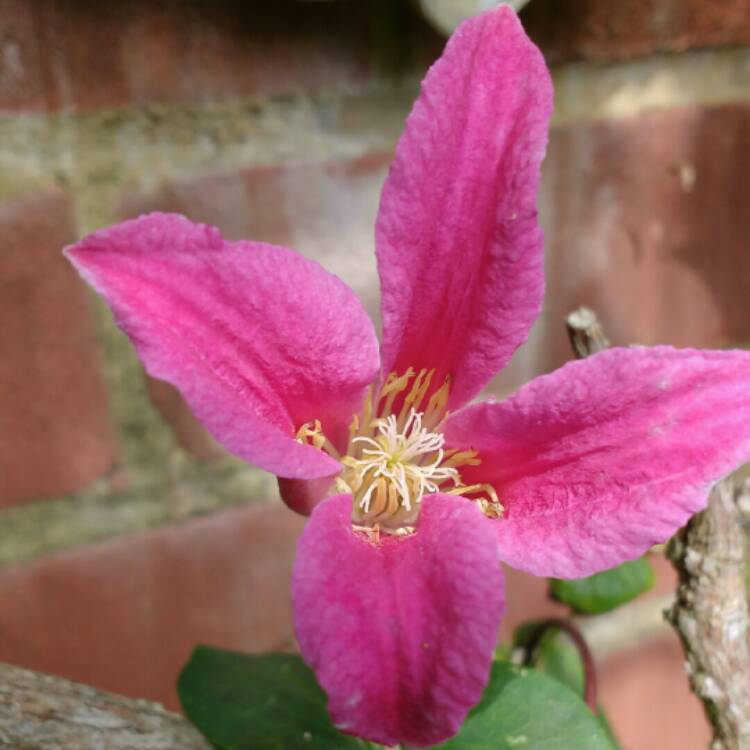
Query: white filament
x=397, y=455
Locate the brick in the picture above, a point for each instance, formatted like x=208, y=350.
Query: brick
x=69, y=55
x=642, y=215
x=602, y=30
x=526, y=598
x=190, y=433
x=645, y=223
x=124, y=615
x=56, y=435
x=325, y=210
x=23, y=70
x=646, y=696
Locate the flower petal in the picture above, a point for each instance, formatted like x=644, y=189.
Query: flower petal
x=400, y=633
x=259, y=339
x=609, y=455
x=458, y=245
x=302, y=495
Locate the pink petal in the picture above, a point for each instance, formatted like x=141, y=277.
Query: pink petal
x=302, y=495
x=400, y=633
x=459, y=248
x=610, y=455
x=258, y=339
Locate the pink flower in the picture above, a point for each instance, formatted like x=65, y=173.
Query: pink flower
x=415, y=496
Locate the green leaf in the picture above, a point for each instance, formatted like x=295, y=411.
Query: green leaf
x=525, y=709
x=555, y=655
x=267, y=702
x=604, y=591
x=608, y=729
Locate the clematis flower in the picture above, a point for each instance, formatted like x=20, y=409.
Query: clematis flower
x=416, y=497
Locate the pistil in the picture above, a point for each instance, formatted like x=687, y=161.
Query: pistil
x=396, y=455
x=396, y=468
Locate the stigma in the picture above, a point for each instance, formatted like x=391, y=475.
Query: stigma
x=396, y=455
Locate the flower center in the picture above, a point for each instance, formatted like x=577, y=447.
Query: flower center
x=390, y=472
x=396, y=455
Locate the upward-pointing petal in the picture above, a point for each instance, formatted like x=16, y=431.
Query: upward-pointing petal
x=259, y=339
x=458, y=246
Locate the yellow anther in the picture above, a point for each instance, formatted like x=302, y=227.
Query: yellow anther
x=415, y=396
x=437, y=407
x=490, y=505
x=341, y=486
x=490, y=509
x=311, y=433
x=372, y=532
x=457, y=458
x=394, y=384
x=394, y=459
x=354, y=426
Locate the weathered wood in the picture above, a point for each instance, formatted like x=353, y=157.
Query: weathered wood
x=711, y=611
x=39, y=712
x=585, y=332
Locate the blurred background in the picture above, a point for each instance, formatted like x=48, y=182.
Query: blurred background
x=126, y=535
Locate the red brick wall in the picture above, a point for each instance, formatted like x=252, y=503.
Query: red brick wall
x=276, y=121
x=595, y=30
x=56, y=434
x=71, y=55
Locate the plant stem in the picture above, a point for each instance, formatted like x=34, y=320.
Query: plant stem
x=711, y=612
x=589, y=670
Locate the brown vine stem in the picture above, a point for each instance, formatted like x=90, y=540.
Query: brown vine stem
x=589, y=670
x=711, y=613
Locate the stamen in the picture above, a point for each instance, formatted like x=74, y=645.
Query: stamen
x=491, y=507
x=394, y=385
x=372, y=532
x=313, y=432
x=416, y=394
x=397, y=467
x=341, y=486
x=394, y=459
x=437, y=407
x=456, y=457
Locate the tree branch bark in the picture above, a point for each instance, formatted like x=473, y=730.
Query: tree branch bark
x=711, y=612
x=39, y=712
